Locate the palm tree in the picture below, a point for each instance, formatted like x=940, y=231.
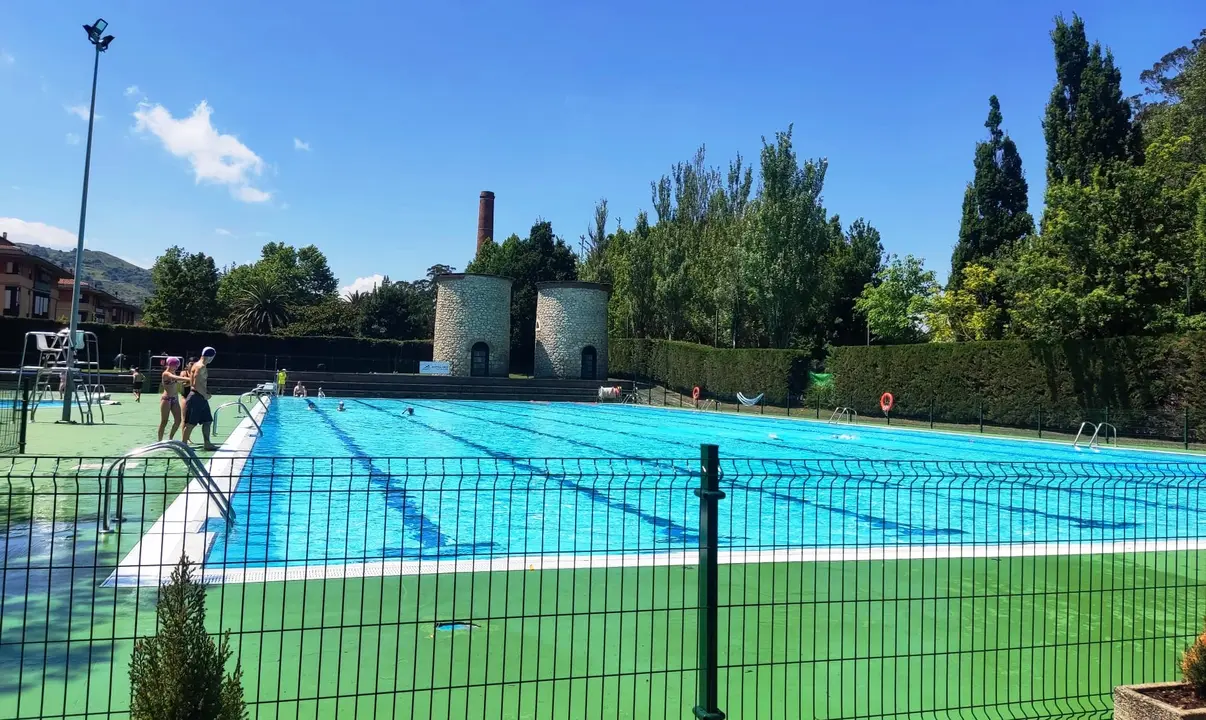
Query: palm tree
x=260, y=305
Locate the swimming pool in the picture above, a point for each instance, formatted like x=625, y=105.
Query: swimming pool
x=498, y=479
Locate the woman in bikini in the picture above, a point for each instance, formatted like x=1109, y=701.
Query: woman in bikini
x=169, y=401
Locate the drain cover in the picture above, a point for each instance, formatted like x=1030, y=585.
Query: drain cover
x=455, y=625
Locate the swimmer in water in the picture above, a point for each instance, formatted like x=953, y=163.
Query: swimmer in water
x=341, y=408
x=310, y=405
x=410, y=411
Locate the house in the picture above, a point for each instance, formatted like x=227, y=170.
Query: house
x=96, y=305
x=28, y=283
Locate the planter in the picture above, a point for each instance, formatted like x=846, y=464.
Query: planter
x=1131, y=703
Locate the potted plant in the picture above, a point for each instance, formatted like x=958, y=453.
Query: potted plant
x=1168, y=700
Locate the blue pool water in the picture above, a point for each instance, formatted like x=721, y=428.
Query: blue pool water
x=460, y=479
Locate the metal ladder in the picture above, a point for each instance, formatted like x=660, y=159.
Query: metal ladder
x=239, y=402
x=182, y=451
x=1094, y=440
x=847, y=413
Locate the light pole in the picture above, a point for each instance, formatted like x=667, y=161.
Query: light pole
x=101, y=44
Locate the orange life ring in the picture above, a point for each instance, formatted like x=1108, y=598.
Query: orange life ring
x=695, y=393
x=886, y=401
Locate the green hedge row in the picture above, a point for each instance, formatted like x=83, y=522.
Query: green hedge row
x=245, y=352
x=1021, y=383
x=717, y=371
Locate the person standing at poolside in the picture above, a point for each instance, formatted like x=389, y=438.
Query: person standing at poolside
x=137, y=379
x=281, y=377
x=198, y=412
x=169, y=399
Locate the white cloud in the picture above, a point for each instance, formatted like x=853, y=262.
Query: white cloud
x=132, y=90
x=362, y=284
x=73, y=139
x=80, y=111
x=299, y=145
x=7, y=58
x=214, y=157
x=37, y=233
x=222, y=231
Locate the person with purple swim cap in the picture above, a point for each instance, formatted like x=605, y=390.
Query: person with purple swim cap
x=169, y=400
x=197, y=412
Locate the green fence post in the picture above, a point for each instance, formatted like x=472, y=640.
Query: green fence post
x=980, y=405
x=931, y=413
x=1107, y=416
x=789, y=403
x=23, y=392
x=1186, y=428
x=762, y=403
x=663, y=396
x=709, y=493
x=1040, y=422
x=818, y=411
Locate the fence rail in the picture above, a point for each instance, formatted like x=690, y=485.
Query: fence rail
x=614, y=588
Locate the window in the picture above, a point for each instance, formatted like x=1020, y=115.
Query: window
x=12, y=300
x=589, y=356
x=83, y=316
x=479, y=360
x=11, y=268
x=43, y=276
x=41, y=306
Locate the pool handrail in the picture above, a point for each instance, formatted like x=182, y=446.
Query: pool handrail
x=182, y=451
x=849, y=413
x=242, y=407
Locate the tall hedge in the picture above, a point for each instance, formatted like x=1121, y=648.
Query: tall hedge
x=1020, y=383
x=247, y=352
x=717, y=371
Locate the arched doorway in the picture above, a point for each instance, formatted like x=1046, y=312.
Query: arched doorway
x=588, y=362
x=479, y=360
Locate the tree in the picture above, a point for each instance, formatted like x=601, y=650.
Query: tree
x=1088, y=121
x=789, y=241
x=185, y=292
x=855, y=258
x=302, y=276
x=594, y=248
x=995, y=204
x=969, y=309
x=333, y=317
x=260, y=305
x=896, y=304
x=181, y=672
x=394, y=311
x=542, y=256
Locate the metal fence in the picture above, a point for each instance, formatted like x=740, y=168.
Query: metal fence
x=14, y=404
x=661, y=588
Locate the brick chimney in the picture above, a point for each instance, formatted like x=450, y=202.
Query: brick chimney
x=485, y=218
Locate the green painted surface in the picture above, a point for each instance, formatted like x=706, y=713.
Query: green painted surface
x=1015, y=637
x=127, y=425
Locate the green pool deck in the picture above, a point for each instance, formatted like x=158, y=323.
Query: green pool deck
x=127, y=425
x=1008, y=637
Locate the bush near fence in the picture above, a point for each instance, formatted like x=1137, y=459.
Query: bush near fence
x=717, y=371
x=237, y=351
x=1147, y=381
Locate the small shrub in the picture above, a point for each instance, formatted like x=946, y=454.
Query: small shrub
x=1193, y=666
x=181, y=672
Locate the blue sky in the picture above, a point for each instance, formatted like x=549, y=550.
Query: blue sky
x=369, y=128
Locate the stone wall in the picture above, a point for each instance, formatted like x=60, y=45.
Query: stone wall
x=570, y=316
x=472, y=309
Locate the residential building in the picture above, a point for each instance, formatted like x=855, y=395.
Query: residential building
x=97, y=306
x=28, y=284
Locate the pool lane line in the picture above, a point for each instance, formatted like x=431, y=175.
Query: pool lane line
x=674, y=531
x=1012, y=481
x=429, y=534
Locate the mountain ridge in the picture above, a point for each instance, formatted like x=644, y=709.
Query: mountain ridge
x=103, y=270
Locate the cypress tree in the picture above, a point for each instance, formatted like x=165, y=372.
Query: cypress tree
x=995, y=203
x=1088, y=120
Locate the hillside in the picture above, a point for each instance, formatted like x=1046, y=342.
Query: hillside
x=107, y=272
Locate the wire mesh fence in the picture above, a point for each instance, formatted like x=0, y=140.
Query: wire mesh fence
x=13, y=408
x=610, y=588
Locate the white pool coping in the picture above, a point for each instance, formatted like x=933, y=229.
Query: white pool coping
x=181, y=530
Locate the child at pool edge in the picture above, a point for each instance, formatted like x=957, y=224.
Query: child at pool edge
x=136, y=378
x=169, y=400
